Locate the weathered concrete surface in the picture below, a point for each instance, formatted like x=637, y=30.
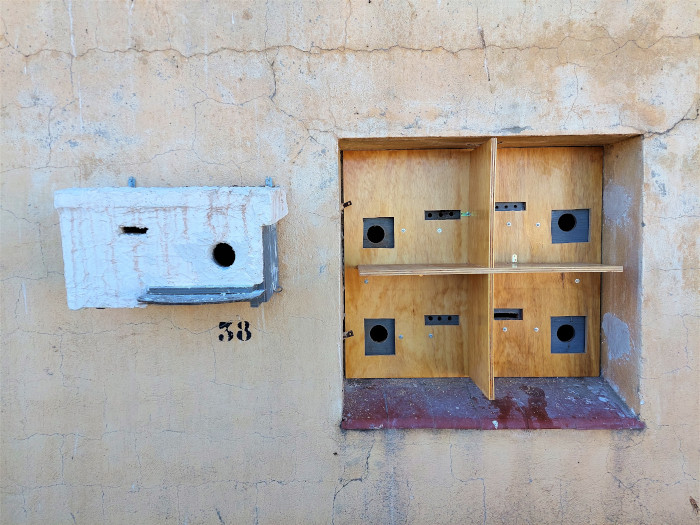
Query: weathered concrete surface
x=146, y=416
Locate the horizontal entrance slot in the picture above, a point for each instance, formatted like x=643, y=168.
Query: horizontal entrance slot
x=134, y=230
x=507, y=314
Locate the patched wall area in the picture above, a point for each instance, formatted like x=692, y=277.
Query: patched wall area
x=229, y=414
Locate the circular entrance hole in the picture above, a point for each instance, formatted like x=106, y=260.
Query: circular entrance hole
x=378, y=333
x=375, y=234
x=223, y=254
x=567, y=222
x=565, y=333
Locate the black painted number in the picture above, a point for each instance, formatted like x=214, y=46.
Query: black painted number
x=243, y=333
x=229, y=333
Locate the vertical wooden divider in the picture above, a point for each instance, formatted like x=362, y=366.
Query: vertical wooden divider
x=478, y=354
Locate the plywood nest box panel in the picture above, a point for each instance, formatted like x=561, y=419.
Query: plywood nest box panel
x=482, y=260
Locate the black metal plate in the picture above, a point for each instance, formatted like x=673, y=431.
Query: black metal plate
x=510, y=206
x=378, y=232
x=442, y=215
x=441, y=319
x=379, y=337
x=570, y=226
x=569, y=335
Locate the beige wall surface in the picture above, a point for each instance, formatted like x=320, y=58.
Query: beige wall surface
x=144, y=416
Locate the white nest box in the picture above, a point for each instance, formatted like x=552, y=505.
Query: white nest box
x=126, y=247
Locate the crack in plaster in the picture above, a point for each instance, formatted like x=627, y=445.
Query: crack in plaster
x=345, y=483
x=483, y=47
x=468, y=480
x=314, y=49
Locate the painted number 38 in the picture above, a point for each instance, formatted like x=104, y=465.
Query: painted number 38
x=243, y=333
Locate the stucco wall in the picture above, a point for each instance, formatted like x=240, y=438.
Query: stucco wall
x=144, y=416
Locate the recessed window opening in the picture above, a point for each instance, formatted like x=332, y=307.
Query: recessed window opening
x=568, y=277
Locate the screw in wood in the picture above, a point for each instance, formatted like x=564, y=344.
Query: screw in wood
x=505, y=329
x=537, y=329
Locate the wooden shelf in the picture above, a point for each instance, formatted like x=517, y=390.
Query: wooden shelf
x=467, y=269
x=554, y=268
x=421, y=269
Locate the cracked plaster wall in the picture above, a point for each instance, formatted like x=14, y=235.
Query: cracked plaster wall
x=124, y=416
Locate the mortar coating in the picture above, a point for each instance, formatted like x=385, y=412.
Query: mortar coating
x=618, y=338
x=617, y=204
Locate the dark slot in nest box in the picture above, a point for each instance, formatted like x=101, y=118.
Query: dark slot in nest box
x=441, y=320
x=570, y=226
x=510, y=206
x=442, y=215
x=378, y=232
x=134, y=230
x=507, y=314
x=379, y=337
x=569, y=335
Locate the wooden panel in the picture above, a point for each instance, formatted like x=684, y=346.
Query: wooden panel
x=512, y=141
x=422, y=269
x=478, y=353
x=472, y=269
x=546, y=179
x=525, y=141
x=408, y=300
x=480, y=199
x=390, y=143
x=403, y=184
x=522, y=352
x=478, y=356
x=554, y=268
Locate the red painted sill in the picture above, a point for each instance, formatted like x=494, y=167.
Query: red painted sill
x=584, y=403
